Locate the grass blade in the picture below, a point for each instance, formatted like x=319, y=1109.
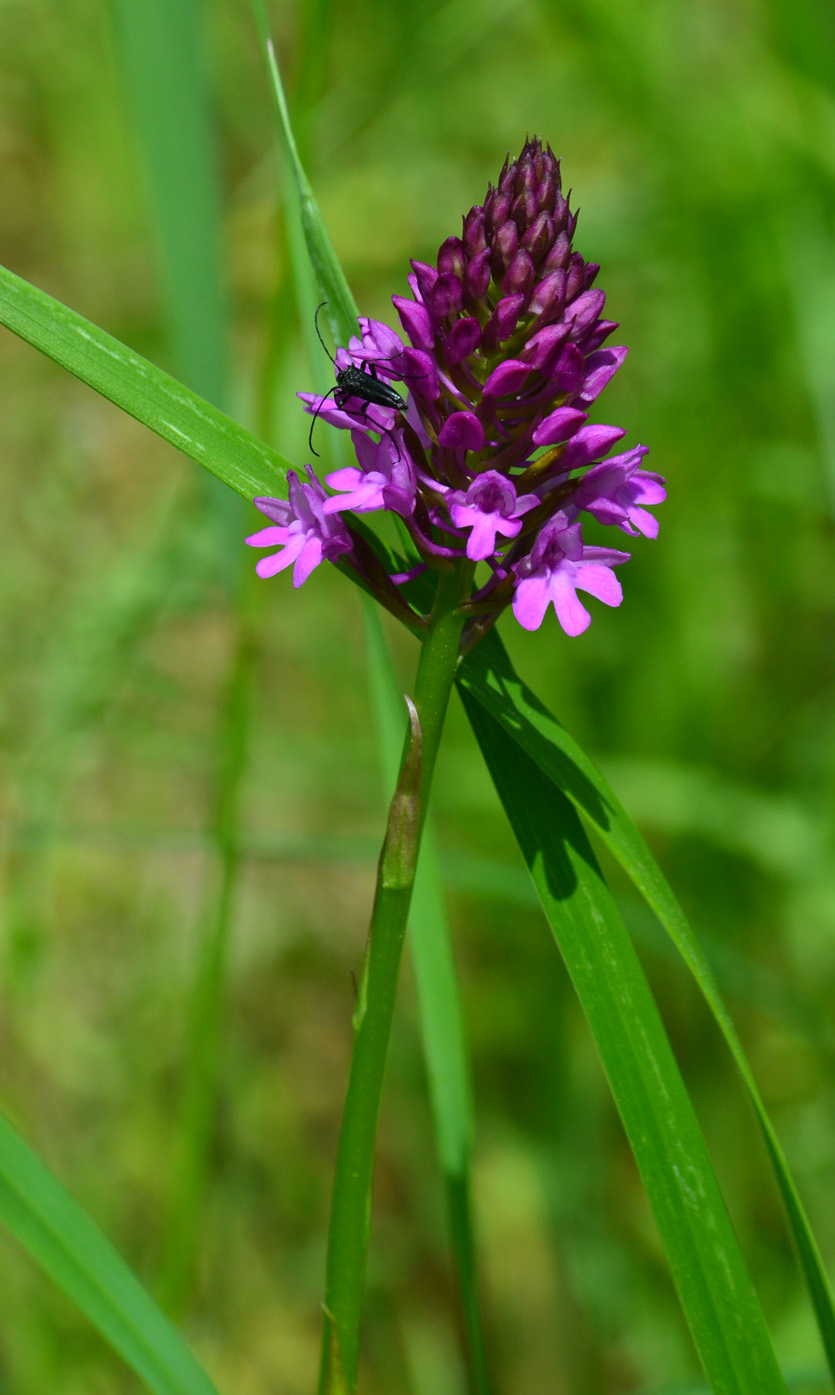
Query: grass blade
x=144, y=391
x=73, y=1251
x=711, y=1277
x=161, y=48
x=341, y=309
x=488, y=676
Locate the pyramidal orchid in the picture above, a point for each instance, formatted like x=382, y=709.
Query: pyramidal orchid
x=494, y=459
x=489, y=459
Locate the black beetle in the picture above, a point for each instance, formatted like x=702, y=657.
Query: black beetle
x=356, y=382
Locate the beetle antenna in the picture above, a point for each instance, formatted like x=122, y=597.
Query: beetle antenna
x=318, y=409
x=321, y=340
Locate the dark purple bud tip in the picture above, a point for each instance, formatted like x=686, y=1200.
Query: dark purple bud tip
x=524, y=209
x=425, y=276
x=576, y=274
x=548, y=298
x=519, y=277
x=538, y=238
x=559, y=255
x=505, y=247
x=451, y=257
x=477, y=275
x=475, y=239
x=496, y=210
x=584, y=311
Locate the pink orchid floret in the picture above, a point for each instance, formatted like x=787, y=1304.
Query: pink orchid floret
x=301, y=528
x=490, y=506
x=617, y=490
x=557, y=568
x=383, y=479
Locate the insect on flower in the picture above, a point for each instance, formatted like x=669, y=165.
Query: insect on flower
x=362, y=383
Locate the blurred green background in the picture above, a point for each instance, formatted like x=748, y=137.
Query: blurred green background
x=177, y=739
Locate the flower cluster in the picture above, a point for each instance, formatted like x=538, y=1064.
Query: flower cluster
x=494, y=457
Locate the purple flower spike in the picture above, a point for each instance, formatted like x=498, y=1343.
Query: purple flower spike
x=490, y=506
x=301, y=529
x=616, y=490
x=502, y=359
x=385, y=479
x=558, y=567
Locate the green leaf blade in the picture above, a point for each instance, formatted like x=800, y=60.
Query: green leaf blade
x=488, y=676
x=78, y=1257
x=145, y=392
x=716, y=1293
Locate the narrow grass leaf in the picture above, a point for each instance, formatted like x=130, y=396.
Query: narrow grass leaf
x=144, y=391
x=487, y=675
x=710, y=1274
x=341, y=309
x=161, y=47
x=73, y=1251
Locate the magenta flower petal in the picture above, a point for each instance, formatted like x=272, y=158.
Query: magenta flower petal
x=269, y=566
x=584, y=310
x=266, y=537
x=507, y=379
x=378, y=341
x=569, y=370
x=600, y=582
x=558, y=426
x=571, y=613
x=589, y=442
x=601, y=367
x=416, y=321
x=530, y=602
x=462, y=431
x=464, y=339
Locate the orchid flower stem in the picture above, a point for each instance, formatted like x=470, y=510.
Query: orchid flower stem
x=351, y=1201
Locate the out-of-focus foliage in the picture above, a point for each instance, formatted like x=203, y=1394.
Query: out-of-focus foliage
x=700, y=141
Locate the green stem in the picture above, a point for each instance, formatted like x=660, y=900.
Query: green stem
x=351, y=1201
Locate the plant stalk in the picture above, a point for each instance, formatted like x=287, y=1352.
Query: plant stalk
x=351, y=1201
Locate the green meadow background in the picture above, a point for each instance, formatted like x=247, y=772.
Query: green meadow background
x=191, y=798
